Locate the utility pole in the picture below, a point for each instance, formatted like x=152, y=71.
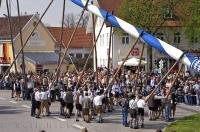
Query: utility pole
x=11, y=32
x=21, y=40
x=109, y=50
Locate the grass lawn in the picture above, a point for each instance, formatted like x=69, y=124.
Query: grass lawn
x=186, y=124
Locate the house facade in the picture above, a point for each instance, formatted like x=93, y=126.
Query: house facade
x=172, y=32
x=39, y=53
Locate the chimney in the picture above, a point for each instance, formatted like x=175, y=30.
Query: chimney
x=37, y=15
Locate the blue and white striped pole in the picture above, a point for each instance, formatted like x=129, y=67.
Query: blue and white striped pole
x=156, y=43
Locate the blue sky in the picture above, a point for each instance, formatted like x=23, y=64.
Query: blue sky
x=54, y=14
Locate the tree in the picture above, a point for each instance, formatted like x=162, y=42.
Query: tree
x=192, y=28
x=71, y=20
x=84, y=20
x=151, y=14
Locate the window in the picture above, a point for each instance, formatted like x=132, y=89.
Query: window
x=108, y=39
x=194, y=39
x=35, y=39
x=125, y=38
x=86, y=55
x=72, y=55
x=198, y=12
x=167, y=13
x=99, y=40
x=160, y=36
x=100, y=62
x=102, y=41
x=39, y=68
x=78, y=56
x=177, y=37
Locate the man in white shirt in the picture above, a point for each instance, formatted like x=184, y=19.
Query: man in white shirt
x=62, y=102
x=133, y=111
x=30, y=86
x=152, y=82
x=45, y=99
x=98, y=105
x=38, y=96
x=141, y=104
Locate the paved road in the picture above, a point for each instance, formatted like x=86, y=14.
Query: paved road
x=15, y=116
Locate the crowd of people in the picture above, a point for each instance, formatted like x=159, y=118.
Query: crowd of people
x=90, y=97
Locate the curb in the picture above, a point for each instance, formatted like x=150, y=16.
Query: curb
x=82, y=128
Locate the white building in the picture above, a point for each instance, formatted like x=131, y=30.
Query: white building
x=121, y=42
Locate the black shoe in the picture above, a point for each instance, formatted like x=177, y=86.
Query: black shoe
x=136, y=127
x=77, y=120
x=109, y=110
x=126, y=125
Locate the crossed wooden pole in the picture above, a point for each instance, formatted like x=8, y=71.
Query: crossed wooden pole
x=67, y=47
x=11, y=33
x=168, y=72
x=91, y=51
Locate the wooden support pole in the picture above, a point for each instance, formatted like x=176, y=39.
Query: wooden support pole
x=95, y=48
x=61, y=39
x=174, y=80
x=11, y=34
x=154, y=90
x=138, y=69
x=109, y=50
x=91, y=51
x=113, y=78
x=66, y=48
x=72, y=63
x=23, y=66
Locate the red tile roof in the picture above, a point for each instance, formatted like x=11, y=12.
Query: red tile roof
x=4, y=26
x=80, y=40
x=110, y=5
x=172, y=23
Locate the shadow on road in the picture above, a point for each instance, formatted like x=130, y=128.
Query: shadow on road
x=10, y=110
